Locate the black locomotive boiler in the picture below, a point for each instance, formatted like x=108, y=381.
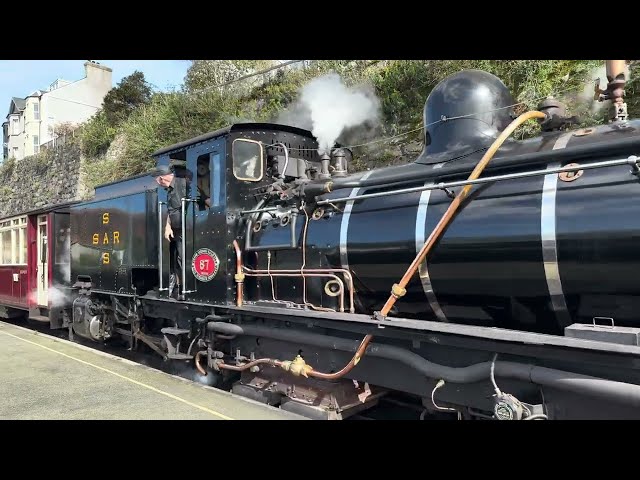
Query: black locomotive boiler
x=491, y=277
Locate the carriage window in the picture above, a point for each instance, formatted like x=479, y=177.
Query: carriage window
x=23, y=245
x=14, y=246
x=6, y=247
x=247, y=160
x=13, y=241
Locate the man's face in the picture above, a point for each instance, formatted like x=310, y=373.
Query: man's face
x=164, y=180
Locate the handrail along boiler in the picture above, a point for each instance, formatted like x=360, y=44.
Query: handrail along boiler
x=491, y=277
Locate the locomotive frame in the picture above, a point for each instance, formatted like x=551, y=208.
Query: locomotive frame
x=279, y=267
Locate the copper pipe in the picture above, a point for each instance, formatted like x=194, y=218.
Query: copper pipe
x=309, y=372
x=349, y=366
x=198, y=366
x=334, y=271
x=240, y=368
x=264, y=273
x=239, y=277
x=398, y=290
x=345, y=272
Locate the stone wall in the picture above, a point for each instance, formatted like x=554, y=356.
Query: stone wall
x=49, y=178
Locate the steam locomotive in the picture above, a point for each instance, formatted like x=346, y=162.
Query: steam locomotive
x=491, y=277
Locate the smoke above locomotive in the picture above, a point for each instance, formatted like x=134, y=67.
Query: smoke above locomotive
x=330, y=109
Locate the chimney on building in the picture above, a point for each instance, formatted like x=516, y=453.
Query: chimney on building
x=98, y=74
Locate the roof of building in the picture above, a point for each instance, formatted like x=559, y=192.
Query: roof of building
x=20, y=104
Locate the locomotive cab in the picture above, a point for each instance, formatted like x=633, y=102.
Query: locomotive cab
x=227, y=172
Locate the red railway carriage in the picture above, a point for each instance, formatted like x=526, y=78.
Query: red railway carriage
x=34, y=264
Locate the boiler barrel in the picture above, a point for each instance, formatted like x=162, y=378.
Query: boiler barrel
x=535, y=253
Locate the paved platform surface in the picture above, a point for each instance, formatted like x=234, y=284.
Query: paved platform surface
x=43, y=377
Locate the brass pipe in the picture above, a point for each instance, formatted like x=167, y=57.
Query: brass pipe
x=265, y=273
x=299, y=366
x=333, y=271
x=239, y=276
x=240, y=368
x=398, y=290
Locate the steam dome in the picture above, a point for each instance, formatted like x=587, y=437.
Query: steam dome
x=480, y=98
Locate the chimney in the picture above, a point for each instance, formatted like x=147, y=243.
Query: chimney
x=91, y=66
x=97, y=73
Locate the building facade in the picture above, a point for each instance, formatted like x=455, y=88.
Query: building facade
x=37, y=118
x=12, y=129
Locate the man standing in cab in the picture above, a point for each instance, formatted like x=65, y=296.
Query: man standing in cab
x=173, y=178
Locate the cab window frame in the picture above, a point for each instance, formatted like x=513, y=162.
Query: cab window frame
x=261, y=160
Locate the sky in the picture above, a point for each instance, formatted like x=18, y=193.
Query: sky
x=19, y=78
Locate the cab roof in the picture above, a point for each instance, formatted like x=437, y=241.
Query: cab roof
x=232, y=128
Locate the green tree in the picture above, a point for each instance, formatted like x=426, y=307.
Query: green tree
x=131, y=92
x=208, y=73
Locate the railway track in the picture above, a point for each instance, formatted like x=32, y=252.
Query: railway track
x=391, y=407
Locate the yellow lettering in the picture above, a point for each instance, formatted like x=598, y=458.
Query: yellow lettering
x=105, y=241
x=105, y=218
x=105, y=258
x=116, y=237
x=96, y=238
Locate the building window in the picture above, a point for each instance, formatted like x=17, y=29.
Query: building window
x=15, y=152
x=16, y=126
x=36, y=144
x=36, y=111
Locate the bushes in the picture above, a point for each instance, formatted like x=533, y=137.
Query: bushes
x=402, y=87
x=97, y=134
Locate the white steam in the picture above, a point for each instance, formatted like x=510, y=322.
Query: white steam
x=586, y=97
x=329, y=108
x=58, y=297
x=65, y=269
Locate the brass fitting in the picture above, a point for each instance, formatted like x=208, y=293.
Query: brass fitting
x=398, y=291
x=297, y=367
x=239, y=277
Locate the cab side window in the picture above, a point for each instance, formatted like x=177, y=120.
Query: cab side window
x=203, y=182
x=247, y=160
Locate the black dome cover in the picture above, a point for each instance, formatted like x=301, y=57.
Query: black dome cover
x=483, y=100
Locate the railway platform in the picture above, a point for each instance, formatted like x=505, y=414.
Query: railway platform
x=43, y=377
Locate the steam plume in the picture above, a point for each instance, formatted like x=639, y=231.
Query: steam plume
x=586, y=96
x=58, y=296
x=329, y=108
